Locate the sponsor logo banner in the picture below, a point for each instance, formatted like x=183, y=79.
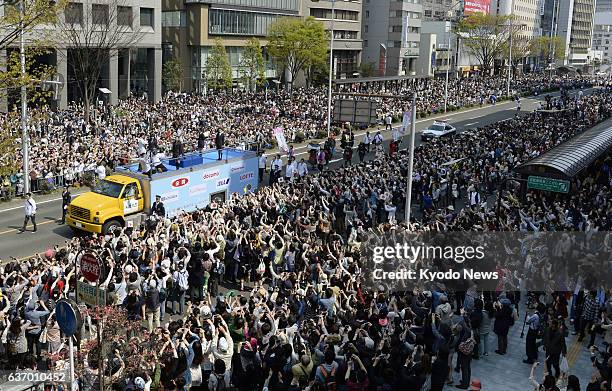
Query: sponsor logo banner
x=169, y=197
x=208, y=175
x=197, y=189
x=247, y=175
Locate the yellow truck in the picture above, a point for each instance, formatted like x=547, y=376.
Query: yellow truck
x=127, y=195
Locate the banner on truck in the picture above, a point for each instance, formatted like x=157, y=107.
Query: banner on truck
x=280, y=139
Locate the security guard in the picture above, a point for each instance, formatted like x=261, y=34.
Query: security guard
x=158, y=209
x=66, y=198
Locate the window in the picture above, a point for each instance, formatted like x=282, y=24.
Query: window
x=365, y=43
x=146, y=17
x=99, y=14
x=174, y=19
x=74, y=13
x=395, y=29
x=366, y=28
x=428, y=13
x=324, y=13
x=124, y=16
x=345, y=34
x=367, y=14
x=239, y=22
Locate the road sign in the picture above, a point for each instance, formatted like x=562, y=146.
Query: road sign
x=86, y=293
x=548, y=184
x=68, y=316
x=90, y=267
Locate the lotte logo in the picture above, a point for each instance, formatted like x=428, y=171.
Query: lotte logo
x=180, y=182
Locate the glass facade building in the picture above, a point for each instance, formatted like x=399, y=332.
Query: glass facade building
x=230, y=22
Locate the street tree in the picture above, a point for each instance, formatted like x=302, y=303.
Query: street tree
x=172, y=75
x=298, y=44
x=218, y=70
x=484, y=37
x=31, y=17
x=252, y=64
x=366, y=69
x=37, y=13
x=95, y=34
x=546, y=48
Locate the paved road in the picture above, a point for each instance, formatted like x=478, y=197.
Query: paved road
x=13, y=244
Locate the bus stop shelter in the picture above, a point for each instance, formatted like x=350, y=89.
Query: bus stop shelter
x=567, y=160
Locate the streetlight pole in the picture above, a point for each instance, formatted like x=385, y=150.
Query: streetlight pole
x=447, y=67
x=510, y=51
x=24, y=106
x=331, y=67
x=447, y=29
x=411, y=161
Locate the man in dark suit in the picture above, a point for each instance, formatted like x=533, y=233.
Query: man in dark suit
x=66, y=198
x=219, y=142
x=158, y=209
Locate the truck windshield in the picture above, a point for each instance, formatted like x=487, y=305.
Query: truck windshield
x=108, y=188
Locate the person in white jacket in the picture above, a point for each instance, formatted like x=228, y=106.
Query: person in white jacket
x=29, y=207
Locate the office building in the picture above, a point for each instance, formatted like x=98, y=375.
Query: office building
x=603, y=6
x=131, y=70
x=190, y=28
x=391, y=35
x=526, y=15
x=572, y=21
x=439, y=9
x=602, y=37
x=347, y=32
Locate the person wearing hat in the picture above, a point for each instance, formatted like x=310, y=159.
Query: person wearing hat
x=66, y=198
x=158, y=209
x=29, y=207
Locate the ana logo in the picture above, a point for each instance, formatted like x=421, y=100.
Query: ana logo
x=246, y=176
x=223, y=182
x=237, y=168
x=180, y=182
x=210, y=175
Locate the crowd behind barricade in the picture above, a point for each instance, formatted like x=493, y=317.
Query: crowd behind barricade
x=467, y=92
x=298, y=315
x=66, y=150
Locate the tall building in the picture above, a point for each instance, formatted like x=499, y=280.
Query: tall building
x=603, y=6
x=572, y=21
x=602, y=37
x=134, y=69
x=190, y=28
x=347, y=31
x=439, y=9
x=391, y=35
x=526, y=15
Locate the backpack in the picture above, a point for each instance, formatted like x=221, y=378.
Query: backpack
x=329, y=383
x=182, y=281
x=303, y=378
x=220, y=382
x=261, y=269
x=162, y=295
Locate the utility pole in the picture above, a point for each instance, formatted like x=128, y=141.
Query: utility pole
x=510, y=51
x=331, y=67
x=411, y=161
x=25, y=142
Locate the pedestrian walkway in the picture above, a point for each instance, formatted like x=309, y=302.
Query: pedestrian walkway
x=509, y=373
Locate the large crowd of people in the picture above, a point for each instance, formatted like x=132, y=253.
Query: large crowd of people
x=64, y=146
x=268, y=291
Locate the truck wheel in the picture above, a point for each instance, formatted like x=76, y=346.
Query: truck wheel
x=110, y=226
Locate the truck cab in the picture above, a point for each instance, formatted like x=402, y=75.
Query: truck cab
x=107, y=205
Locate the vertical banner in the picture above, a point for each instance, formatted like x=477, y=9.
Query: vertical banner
x=280, y=139
x=406, y=121
x=382, y=60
